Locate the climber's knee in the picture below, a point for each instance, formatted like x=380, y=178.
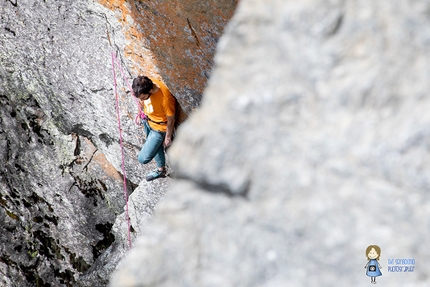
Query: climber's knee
x=143, y=159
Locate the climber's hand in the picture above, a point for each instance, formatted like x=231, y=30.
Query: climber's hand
x=167, y=142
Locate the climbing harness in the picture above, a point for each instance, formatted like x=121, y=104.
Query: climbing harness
x=160, y=123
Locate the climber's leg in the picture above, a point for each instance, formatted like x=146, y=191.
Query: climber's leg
x=153, y=147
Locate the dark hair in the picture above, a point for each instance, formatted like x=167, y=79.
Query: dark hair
x=141, y=85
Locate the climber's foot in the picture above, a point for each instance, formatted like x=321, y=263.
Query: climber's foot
x=156, y=173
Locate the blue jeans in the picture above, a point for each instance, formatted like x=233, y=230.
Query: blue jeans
x=153, y=147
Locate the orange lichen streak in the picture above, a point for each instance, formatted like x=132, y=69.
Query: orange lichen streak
x=140, y=58
x=176, y=38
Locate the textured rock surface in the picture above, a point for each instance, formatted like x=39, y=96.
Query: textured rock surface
x=62, y=215
x=173, y=39
x=312, y=142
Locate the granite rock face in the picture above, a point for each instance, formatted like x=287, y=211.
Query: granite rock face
x=311, y=143
x=62, y=202
x=174, y=40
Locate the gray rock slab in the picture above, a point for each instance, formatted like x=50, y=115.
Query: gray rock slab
x=312, y=142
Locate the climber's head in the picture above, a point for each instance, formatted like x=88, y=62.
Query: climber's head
x=142, y=86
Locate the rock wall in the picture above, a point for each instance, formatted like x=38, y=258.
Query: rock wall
x=174, y=40
x=311, y=143
x=62, y=215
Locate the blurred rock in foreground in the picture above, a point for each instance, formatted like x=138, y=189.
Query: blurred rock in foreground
x=312, y=143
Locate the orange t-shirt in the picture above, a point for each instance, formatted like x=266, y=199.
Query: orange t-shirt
x=159, y=106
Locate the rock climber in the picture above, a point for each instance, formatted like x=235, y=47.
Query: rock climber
x=159, y=108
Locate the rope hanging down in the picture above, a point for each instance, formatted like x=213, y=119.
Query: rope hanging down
x=140, y=115
x=114, y=59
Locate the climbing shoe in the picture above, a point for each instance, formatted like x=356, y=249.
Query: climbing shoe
x=155, y=174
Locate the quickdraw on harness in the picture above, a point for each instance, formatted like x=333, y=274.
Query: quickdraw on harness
x=140, y=114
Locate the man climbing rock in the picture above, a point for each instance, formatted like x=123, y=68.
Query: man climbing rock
x=159, y=107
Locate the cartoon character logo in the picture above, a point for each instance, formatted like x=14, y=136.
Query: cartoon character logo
x=373, y=269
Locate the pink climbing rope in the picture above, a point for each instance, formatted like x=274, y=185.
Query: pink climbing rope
x=140, y=115
x=122, y=150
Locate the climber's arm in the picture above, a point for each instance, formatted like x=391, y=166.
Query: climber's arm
x=169, y=130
